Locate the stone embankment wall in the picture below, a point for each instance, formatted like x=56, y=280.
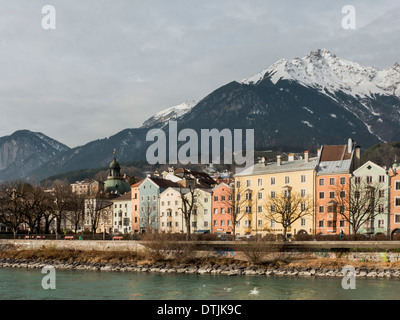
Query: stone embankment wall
x=379, y=251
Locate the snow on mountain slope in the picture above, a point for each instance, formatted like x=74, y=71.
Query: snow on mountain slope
x=327, y=72
x=175, y=112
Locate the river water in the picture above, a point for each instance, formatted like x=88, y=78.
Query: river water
x=26, y=284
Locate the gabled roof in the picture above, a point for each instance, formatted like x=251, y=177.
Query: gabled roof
x=221, y=185
x=164, y=183
x=335, y=153
x=335, y=159
x=126, y=197
x=137, y=184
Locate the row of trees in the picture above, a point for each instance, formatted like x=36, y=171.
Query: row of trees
x=35, y=209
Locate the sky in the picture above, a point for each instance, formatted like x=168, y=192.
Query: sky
x=110, y=65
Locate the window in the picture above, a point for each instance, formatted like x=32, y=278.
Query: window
x=397, y=218
x=260, y=196
x=222, y=198
x=342, y=180
x=303, y=193
x=194, y=224
x=322, y=195
x=303, y=222
x=321, y=182
x=381, y=223
x=332, y=195
x=215, y=223
x=287, y=180
x=303, y=178
x=342, y=209
x=332, y=181
x=248, y=183
x=331, y=209
x=381, y=193
x=259, y=209
x=248, y=196
x=230, y=223
x=397, y=185
x=230, y=210
x=342, y=194
x=273, y=194
x=215, y=198
x=321, y=209
x=260, y=182
x=259, y=224
x=381, y=208
x=205, y=201
x=247, y=224
x=321, y=223
x=273, y=223
x=272, y=208
x=222, y=210
x=237, y=184
x=397, y=202
x=369, y=179
x=248, y=209
x=273, y=181
x=205, y=211
x=381, y=179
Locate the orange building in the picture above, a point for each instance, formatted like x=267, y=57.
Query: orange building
x=332, y=184
x=394, y=174
x=135, y=207
x=221, y=216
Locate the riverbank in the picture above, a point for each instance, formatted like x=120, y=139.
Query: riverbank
x=145, y=262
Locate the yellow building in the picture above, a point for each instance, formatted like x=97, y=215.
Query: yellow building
x=257, y=185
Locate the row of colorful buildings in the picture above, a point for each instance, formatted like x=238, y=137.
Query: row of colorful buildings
x=241, y=205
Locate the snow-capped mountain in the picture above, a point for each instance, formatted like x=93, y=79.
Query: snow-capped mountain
x=329, y=74
x=161, y=118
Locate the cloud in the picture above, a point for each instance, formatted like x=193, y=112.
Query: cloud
x=110, y=65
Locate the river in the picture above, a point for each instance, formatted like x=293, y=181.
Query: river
x=26, y=284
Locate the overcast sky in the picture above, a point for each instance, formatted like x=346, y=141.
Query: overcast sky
x=110, y=65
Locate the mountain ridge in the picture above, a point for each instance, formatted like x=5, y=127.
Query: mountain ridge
x=294, y=105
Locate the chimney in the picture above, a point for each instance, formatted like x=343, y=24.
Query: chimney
x=262, y=161
x=350, y=146
x=358, y=157
x=278, y=160
x=306, y=156
x=291, y=157
x=319, y=152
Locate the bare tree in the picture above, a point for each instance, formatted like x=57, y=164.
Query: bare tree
x=361, y=203
x=188, y=200
x=288, y=207
x=33, y=208
x=75, y=210
x=93, y=209
x=12, y=205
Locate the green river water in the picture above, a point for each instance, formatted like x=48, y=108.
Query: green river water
x=26, y=284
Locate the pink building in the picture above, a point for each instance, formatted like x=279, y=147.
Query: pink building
x=135, y=207
x=221, y=216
